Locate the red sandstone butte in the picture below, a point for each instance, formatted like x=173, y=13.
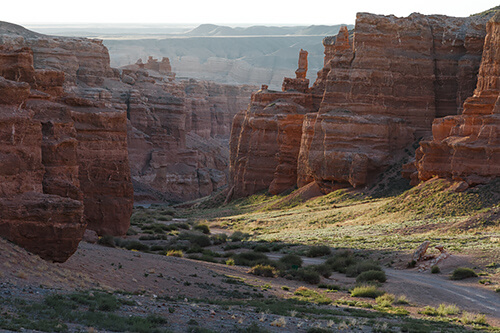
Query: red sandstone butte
x=379, y=91
x=467, y=147
x=63, y=162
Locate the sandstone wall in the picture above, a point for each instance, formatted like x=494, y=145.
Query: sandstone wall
x=379, y=91
x=178, y=132
x=467, y=147
x=64, y=164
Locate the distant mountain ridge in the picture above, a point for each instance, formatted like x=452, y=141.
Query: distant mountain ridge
x=212, y=30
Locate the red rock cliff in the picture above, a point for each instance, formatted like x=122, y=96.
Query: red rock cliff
x=378, y=92
x=467, y=147
x=64, y=151
x=178, y=132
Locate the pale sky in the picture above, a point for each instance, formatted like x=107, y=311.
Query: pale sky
x=231, y=12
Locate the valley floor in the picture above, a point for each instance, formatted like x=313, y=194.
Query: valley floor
x=178, y=274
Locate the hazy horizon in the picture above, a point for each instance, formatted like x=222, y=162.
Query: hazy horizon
x=223, y=12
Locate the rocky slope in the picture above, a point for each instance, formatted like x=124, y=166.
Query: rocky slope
x=378, y=92
x=467, y=147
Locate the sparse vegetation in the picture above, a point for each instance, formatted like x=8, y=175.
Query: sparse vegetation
x=462, y=273
x=366, y=291
x=263, y=270
x=319, y=251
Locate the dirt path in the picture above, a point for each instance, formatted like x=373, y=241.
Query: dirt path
x=433, y=290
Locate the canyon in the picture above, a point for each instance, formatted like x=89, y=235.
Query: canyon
x=81, y=141
x=77, y=134
x=377, y=95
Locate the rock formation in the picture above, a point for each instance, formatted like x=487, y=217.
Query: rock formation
x=64, y=153
x=178, y=133
x=378, y=92
x=467, y=147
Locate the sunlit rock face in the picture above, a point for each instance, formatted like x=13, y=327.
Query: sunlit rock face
x=379, y=91
x=467, y=147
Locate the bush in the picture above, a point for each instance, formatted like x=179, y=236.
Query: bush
x=323, y=269
x=175, y=253
x=202, y=228
x=263, y=270
x=429, y=311
x=291, y=261
x=136, y=245
x=308, y=276
x=435, y=269
x=261, y=248
x=411, y=264
x=157, y=248
x=219, y=239
x=318, y=251
x=340, y=261
x=196, y=239
x=251, y=259
x=371, y=275
x=385, y=300
x=363, y=266
x=366, y=291
x=106, y=240
x=230, y=262
x=462, y=273
x=444, y=310
x=238, y=236
x=402, y=300
x=329, y=286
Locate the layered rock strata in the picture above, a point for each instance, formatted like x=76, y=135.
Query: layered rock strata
x=178, y=133
x=378, y=92
x=64, y=153
x=467, y=147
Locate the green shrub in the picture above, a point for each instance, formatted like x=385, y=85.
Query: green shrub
x=306, y=294
x=329, y=286
x=323, y=269
x=230, y=262
x=196, y=239
x=444, y=310
x=157, y=248
x=251, y=259
x=429, y=311
x=263, y=270
x=461, y=273
x=136, y=245
x=202, y=228
x=360, y=267
x=219, y=239
x=291, y=261
x=261, y=248
x=340, y=261
x=371, y=275
x=239, y=236
x=411, y=264
x=366, y=291
x=311, y=277
x=402, y=300
x=175, y=253
x=385, y=300
x=318, y=251
x=106, y=240
x=435, y=269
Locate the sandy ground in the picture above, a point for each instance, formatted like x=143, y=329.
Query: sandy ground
x=97, y=267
